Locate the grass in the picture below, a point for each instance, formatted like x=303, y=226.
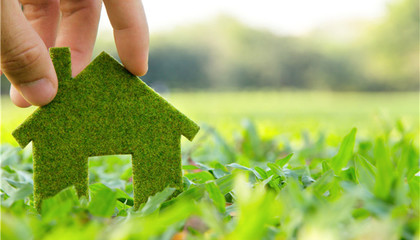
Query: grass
x=265, y=166
x=277, y=113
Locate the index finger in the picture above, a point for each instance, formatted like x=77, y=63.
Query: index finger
x=25, y=59
x=131, y=33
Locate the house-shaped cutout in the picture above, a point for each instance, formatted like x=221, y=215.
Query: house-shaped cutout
x=104, y=110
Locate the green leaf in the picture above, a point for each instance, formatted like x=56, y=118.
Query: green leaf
x=193, y=193
x=196, y=192
x=103, y=200
x=345, y=152
x=262, y=172
x=251, y=144
x=15, y=194
x=221, y=167
x=155, y=201
x=365, y=172
x=225, y=183
x=384, y=170
x=123, y=197
x=283, y=161
x=9, y=157
x=276, y=169
x=414, y=192
x=6, y=187
x=217, y=197
x=408, y=161
x=323, y=183
x=200, y=177
x=238, y=166
x=306, y=178
x=219, y=170
x=60, y=205
x=325, y=166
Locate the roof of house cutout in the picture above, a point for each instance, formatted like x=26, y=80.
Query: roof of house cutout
x=104, y=110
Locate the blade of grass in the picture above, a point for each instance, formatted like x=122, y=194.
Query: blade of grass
x=216, y=196
x=384, y=170
x=344, y=153
x=277, y=170
x=365, y=172
x=238, y=166
x=283, y=161
x=323, y=184
x=155, y=201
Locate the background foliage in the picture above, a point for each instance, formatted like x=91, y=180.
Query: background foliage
x=225, y=54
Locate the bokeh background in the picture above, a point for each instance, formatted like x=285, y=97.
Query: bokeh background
x=290, y=66
x=277, y=87
x=280, y=45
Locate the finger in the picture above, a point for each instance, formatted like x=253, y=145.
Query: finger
x=17, y=99
x=130, y=32
x=78, y=29
x=24, y=57
x=43, y=15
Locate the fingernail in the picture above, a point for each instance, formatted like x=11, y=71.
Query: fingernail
x=39, y=92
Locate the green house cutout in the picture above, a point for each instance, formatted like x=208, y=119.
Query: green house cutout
x=104, y=110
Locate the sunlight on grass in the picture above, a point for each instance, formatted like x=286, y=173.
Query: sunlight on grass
x=276, y=113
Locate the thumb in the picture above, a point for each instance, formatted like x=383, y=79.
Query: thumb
x=25, y=59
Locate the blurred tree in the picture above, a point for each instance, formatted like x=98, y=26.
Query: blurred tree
x=177, y=65
x=392, y=48
x=225, y=54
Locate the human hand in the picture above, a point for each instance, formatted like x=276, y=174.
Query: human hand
x=26, y=36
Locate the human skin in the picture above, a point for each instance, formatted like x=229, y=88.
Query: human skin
x=26, y=36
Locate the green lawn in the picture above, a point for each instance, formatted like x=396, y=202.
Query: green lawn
x=265, y=165
x=292, y=112
x=276, y=113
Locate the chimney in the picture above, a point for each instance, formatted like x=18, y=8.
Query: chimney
x=61, y=59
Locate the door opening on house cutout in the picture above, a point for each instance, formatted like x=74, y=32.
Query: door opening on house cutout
x=114, y=171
